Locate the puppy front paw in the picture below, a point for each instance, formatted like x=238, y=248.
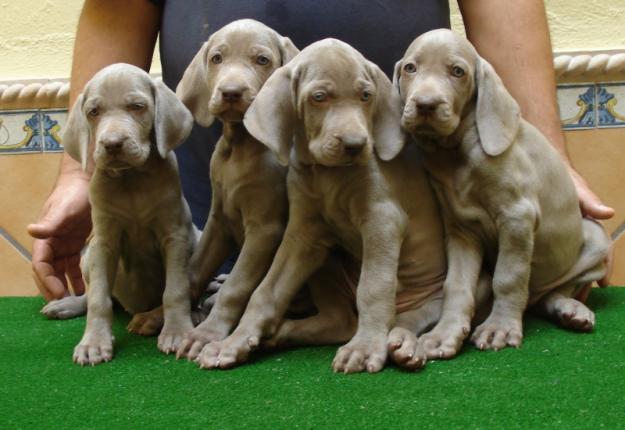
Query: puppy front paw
x=444, y=340
x=172, y=335
x=497, y=333
x=405, y=349
x=94, y=348
x=224, y=354
x=360, y=354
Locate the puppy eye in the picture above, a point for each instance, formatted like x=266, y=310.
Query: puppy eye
x=457, y=71
x=136, y=106
x=216, y=59
x=262, y=60
x=93, y=112
x=319, y=96
x=366, y=96
x=410, y=68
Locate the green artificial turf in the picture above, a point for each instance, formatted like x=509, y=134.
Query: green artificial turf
x=558, y=379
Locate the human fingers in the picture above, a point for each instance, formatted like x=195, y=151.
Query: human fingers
x=49, y=281
x=590, y=204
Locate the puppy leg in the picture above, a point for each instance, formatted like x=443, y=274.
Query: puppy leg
x=96, y=345
x=66, y=308
x=504, y=325
x=260, y=244
x=302, y=251
x=336, y=320
x=375, y=296
x=176, y=297
x=147, y=323
x=464, y=258
x=214, y=247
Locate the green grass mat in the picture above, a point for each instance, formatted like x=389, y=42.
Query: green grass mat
x=558, y=379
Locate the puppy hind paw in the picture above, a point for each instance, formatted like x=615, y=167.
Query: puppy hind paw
x=65, y=308
x=405, y=349
x=575, y=315
x=145, y=324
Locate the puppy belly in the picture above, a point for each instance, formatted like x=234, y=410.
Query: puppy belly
x=140, y=288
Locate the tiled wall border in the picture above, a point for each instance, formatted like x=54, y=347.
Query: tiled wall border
x=31, y=131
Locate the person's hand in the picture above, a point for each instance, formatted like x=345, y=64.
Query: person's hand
x=61, y=233
x=589, y=203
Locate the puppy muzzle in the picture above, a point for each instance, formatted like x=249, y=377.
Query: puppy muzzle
x=430, y=115
x=342, y=149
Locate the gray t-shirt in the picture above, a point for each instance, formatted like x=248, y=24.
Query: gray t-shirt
x=380, y=29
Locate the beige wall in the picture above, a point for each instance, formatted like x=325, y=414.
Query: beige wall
x=37, y=35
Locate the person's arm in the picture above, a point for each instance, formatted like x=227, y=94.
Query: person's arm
x=108, y=32
x=514, y=37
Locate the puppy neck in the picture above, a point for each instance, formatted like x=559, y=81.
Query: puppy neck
x=234, y=132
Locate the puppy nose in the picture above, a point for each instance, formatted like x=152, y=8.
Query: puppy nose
x=427, y=105
x=231, y=93
x=352, y=144
x=113, y=144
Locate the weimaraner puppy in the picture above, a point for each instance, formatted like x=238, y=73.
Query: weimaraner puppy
x=323, y=114
x=507, y=198
x=142, y=231
x=249, y=202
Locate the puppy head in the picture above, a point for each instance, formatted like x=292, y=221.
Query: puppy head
x=230, y=68
x=441, y=79
x=122, y=112
x=340, y=103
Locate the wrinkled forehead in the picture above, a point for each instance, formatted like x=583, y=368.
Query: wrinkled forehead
x=241, y=36
x=338, y=63
x=441, y=45
x=119, y=85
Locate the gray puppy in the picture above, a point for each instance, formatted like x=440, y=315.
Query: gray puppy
x=507, y=198
x=142, y=231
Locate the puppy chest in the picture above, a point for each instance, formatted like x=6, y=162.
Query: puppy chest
x=461, y=205
x=140, y=248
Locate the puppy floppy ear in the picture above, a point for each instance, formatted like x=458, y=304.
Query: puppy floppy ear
x=271, y=116
x=193, y=88
x=497, y=114
x=77, y=135
x=396, y=74
x=172, y=120
x=388, y=137
x=287, y=50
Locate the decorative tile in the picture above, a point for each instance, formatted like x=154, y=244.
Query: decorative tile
x=611, y=105
x=577, y=106
x=53, y=122
x=20, y=132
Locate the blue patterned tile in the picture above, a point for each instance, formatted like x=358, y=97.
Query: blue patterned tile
x=53, y=122
x=577, y=106
x=20, y=131
x=611, y=105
